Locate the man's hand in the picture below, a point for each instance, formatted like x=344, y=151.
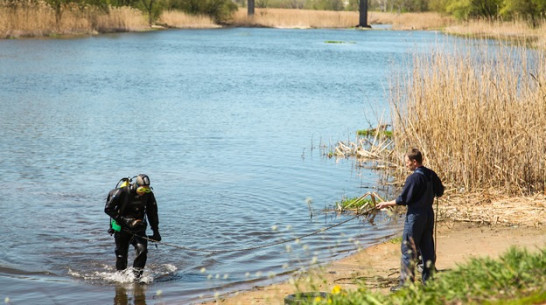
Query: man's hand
x=387, y=204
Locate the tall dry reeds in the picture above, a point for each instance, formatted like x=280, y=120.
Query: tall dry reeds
x=479, y=117
x=411, y=21
x=122, y=19
x=295, y=18
x=300, y=18
x=37, y=19
x=178, y=19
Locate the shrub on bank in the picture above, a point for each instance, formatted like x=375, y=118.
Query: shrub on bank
x=517, y=277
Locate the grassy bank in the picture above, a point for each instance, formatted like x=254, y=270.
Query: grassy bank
x=517, y=277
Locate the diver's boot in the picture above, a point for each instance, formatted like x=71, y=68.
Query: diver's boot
x=137, y=272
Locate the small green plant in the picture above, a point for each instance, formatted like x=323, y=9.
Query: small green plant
x=395, y=240
x=374, y=132
x=353, y=203
x=362, y=205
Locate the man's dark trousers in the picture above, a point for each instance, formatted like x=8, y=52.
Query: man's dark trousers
x=418, y=238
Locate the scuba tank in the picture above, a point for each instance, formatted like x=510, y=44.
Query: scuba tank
x=122, y=183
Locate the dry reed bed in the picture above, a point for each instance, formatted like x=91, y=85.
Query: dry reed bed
x=492, y=207
x=479, y=116
x=38, y=20
x=412, y=21
x=295, y=18
x=177, y=19
x=305, y=19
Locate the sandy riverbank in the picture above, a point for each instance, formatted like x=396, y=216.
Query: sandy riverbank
x=457, y=241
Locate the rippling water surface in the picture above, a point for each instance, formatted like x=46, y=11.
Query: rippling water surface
x=227, y=123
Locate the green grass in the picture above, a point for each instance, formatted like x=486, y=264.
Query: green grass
x=351, y=203
x=395, y=240
x=517, y=277
x=338, y=41
x=373, y=132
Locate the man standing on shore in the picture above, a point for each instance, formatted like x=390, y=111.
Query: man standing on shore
x=418, y=195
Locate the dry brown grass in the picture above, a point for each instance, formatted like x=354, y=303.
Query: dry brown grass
x=294, y=18
x=38, y=20
x=509, y=30
x=177, y=19
x=122, y=19
x=479, y=117
x=411, y=21
x=494, y=207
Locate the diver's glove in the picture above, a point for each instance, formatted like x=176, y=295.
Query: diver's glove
x=156, y=236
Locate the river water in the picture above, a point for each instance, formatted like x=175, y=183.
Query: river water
x=231, y=125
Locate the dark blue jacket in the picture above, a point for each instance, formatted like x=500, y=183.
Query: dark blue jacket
x=420, y=189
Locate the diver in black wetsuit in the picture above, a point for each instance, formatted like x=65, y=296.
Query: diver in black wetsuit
x=129, y=206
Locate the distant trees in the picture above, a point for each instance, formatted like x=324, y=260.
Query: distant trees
x=152, y=9
x=222, y=10
x=348, y=5
x=219, y=10
x=532, y=10
x=60, y=5
x=465, y=9
x=327, y=5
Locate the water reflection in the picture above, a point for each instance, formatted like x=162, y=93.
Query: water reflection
x=130, y=294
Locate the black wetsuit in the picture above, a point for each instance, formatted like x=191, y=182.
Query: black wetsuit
x=125, y=206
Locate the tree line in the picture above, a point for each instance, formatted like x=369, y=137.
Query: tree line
x=222, y=10
x=532, y=10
